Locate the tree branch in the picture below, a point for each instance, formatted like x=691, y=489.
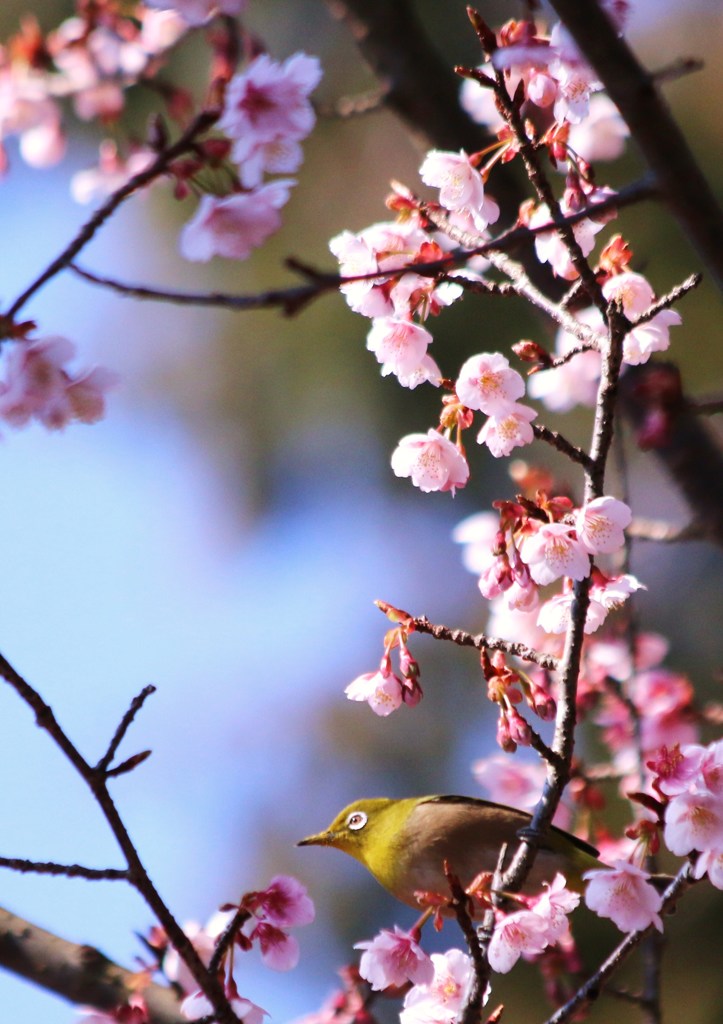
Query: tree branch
x=78, y=973
x=632, y=89
x=483, y=642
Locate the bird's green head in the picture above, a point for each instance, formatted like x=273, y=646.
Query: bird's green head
x=368, y=830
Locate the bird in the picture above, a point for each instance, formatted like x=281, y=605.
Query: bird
x=404, y=843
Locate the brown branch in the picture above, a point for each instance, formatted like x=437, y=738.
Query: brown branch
x=632, y=89
x=482, y=642
x=460, y=907
x=228, y=935
x=596, y=983
x=78, y=973
x=556, y=439
x=137, y=875
x=66, y=870
x=160, y=165
x=293, y=300
x=668, y=300
x=420, y=88
x=123, y=727
x=290, y=300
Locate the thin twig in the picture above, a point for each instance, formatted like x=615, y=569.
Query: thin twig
x=652, y=127
x=482, y=642
x=460, y=905
x=228, y=935
x=290, y=300
x=558, y=441
x=673, y=296
x=160, y=165
x=596, y=982
x=67, y=870
x=137, y=875
x=125, y=723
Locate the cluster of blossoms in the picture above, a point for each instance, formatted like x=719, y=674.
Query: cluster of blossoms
x=94, y=57
x=690, y=781
x=38, y=386
x=91, y=59
x=383, y=690
x=440, y=983
x=266, y=113
x=533, y=543
x=266, y=916
x=555, y=78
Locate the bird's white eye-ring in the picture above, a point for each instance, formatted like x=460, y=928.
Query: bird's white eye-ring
x=356, y=820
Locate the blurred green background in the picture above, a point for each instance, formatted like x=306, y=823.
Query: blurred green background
x=225, y=531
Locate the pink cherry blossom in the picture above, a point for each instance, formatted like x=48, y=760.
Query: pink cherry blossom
x=710, y=862
x=600, y=523
x=480, y=102
x=553, y=906
x=232, y=226
x=255, y=158
x=523, y=626
x=284, y=903
x=553, y=551
x=426, y=372
x=37, y=386
x=460, y=185
x=441, y=1000
x=399, y=344
x=664, y=699
x=576, y=381
x=204, y=941
x=113, y=171
x=554, y=615
x=624, y=894
x=197, y=1005
x=694, y=821
x=487, y=382
x=383, y=246
x=270, y=101
x=394, y=958
x=279, y=951
x=30, y=113
x=508, y=428
x=550, y=247
x=160, y=29
x=521, y=933
x=651, y=336
x=383, y=692
x=677, y=770
x=635, y=295
x=478, y=535
x=432, y=461
x=522, y=594
x=602, y=134
x=507, y=780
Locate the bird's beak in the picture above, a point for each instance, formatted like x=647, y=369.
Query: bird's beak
x=320, y=839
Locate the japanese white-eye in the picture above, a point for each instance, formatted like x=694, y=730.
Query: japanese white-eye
x=405, y=843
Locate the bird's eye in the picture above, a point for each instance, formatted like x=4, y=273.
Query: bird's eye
x=356, y=820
